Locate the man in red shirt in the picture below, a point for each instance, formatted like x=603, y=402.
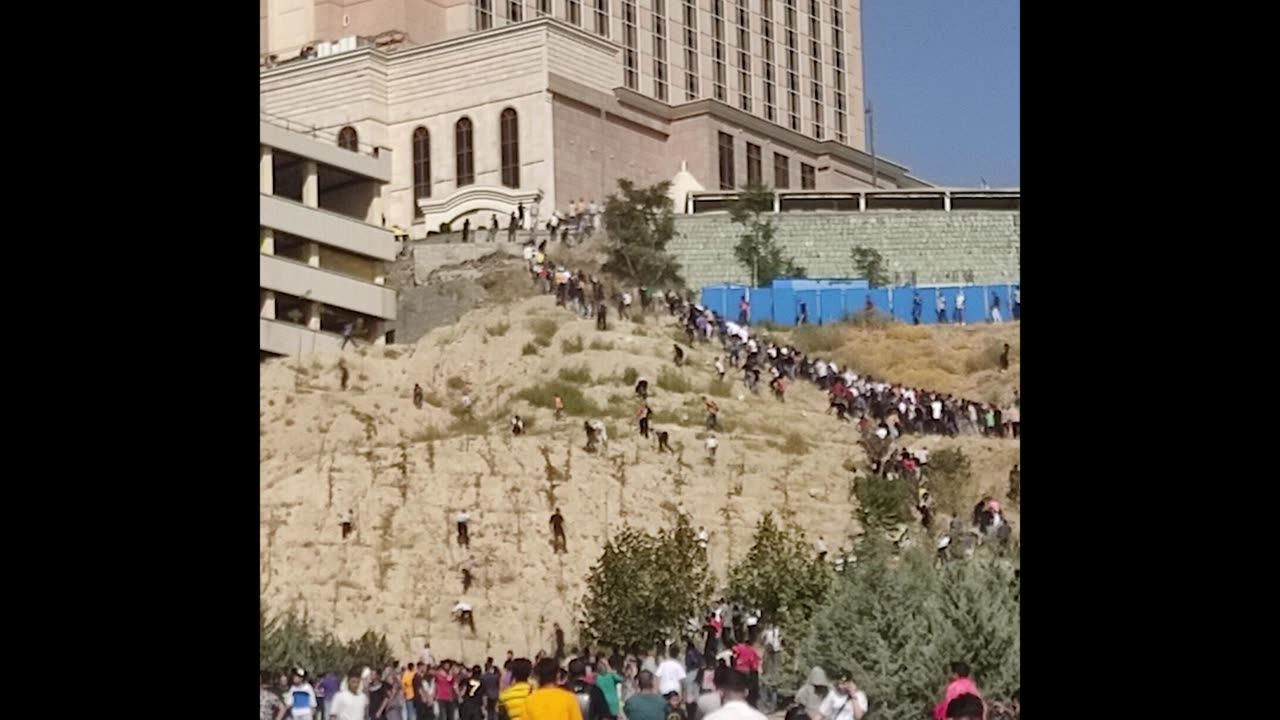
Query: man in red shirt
x=747, y=661
x=445, y=691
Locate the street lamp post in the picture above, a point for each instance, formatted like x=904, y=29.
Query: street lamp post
x=871, y=142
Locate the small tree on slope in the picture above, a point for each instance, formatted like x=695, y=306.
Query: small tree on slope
x=640, y=224
x=780, y=576
x=757, y=250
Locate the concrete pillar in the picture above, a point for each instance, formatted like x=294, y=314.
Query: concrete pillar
x=777, y=202
x=313, y=254
x=266, y=171
x=267, y=241
x=862, y=201
x=946, y=201
x=313, y=317
x=380, y=338
x=269, y=305
x=310, y=184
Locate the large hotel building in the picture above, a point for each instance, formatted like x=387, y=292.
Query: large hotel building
x=488, y=104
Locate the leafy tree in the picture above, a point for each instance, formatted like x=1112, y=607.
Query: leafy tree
x=895, y=621
x=883, y=504
x=949, y=477
x=645, y=587
x=640, y=223
x=780, y=576
x=758, y=252
x=871, y=265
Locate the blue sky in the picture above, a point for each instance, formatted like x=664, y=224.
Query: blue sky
x=942, y=77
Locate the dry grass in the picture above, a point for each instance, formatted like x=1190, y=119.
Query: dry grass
x=719, y=388
x=571, y=347
x=543, y=330
x=456, y=383
x=575, y=403
x=601, y=345
x=674, y=381
x=498, y=329
x=579, y=375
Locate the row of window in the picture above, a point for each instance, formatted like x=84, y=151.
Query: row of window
x=781, y=168
x=464, y=153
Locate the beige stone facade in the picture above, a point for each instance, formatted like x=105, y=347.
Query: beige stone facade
x=572, y=125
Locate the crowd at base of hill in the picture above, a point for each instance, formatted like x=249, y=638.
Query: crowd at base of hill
x=588, y=688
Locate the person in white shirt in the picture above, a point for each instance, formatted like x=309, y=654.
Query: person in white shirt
x=702, y=537
x=712, y=444
x=960, y=307
x=844, y=701
x=733, y=688
x=349, y=704
x=425, y=657
x=670, y=672
x=464, y=538
x=301, y=697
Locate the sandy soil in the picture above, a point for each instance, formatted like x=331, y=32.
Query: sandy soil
x=405, y=472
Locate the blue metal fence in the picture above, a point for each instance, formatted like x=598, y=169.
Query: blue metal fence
x=827, y=302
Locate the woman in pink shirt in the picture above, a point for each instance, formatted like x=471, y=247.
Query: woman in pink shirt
x=961, y=684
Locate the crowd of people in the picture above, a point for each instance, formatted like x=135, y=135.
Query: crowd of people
x=671, y=685
x=575, y=224
x=720, y=679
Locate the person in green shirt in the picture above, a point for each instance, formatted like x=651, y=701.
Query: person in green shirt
x=646, y=704
x=608, y=681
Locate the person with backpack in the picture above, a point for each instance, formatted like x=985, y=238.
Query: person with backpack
x=591, y=700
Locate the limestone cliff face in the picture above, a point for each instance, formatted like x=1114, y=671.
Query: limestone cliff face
x=405, y=472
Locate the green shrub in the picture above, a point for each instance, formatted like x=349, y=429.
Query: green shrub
x=948, y=477
x=630, y=376
x=569, y=347
x=720, y=388
x=456, y=383
x=601, y=345
x=575, y=403
x=469, y=425
x=290, y=640
x=896, y=619
x=498, y=330
x=580, y=375
x=529, y=349
x=543, y=330
x=674, y=381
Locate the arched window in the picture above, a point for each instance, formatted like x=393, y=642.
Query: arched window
x=347, y=139
x=466, y=156
x=510, y=149
x=421, y=167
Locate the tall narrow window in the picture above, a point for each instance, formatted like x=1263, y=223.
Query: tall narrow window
x=515, y=11
x=510, y=149
x=781, y=172
x=421, y=167
x=466, y=161
x=630, y=63
x=602, y=18
x=807, y=179
x=347, y=139
x=726, y=161
x=573, y=12
x=660, y=50
x=544, y=7
x=484, y=14
x=753, y=165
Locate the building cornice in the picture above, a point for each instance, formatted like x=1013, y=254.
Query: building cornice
x=899, y=174
x=543, y=25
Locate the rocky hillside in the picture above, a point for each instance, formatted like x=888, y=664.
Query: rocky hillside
x=404, y=472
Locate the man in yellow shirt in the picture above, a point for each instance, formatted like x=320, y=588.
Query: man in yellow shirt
x=550, y=701
x=513, y=699
x=406, y=681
